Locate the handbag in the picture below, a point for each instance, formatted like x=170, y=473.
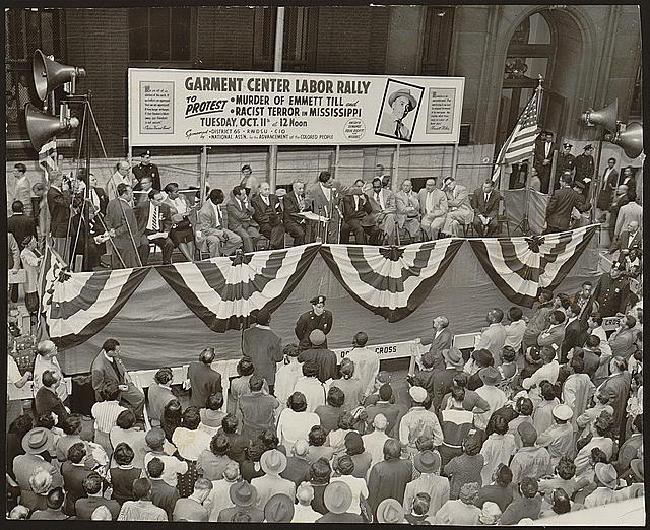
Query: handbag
x=20, y=276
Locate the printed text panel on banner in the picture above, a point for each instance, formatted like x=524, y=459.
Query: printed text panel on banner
x=203, y=107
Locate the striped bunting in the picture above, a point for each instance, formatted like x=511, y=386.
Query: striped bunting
x=224, y=292
x=391, y=282
x=520, y=266
x=78, y=305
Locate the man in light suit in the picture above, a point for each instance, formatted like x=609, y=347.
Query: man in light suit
x=554, y=334
x=485, y=202
x=107, y=366
x=122, y=223
x=155, y=217
x=382, y=201
x=433, y=208
x=460, y=210
x=440, y=340
x=630, y=212
x=212, y=227
x=323, y=199
x=493, y=338
x=268, y=215
x=408, y=210
x=630, y=238
x=240, y=218
x=122, y=175
x=263, y=347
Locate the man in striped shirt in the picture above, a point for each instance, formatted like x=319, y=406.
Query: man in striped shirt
x=105, y=414
x=142, y=509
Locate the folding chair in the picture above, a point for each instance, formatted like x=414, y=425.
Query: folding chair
x=502, y=216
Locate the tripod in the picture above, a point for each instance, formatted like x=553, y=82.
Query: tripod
x=524, y=226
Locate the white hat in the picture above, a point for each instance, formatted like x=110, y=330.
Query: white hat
x=418, y=394
x=563, y=412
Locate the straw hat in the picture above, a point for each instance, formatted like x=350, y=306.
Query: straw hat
x=337, y=497
x=490, y=513
x=37, y=441
x=273, y=462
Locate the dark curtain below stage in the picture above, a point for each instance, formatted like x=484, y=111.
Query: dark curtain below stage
x=156, y=329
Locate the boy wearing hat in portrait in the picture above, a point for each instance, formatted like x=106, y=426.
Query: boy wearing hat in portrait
x=399, y=104
x=318, y=318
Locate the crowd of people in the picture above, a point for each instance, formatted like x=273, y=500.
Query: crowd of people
x=543, y=417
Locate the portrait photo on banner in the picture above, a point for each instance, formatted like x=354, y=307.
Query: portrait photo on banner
x=399, y=110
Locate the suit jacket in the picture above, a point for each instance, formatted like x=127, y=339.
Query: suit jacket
x=73, y=477
x=271, y=214
x=440, y=206
x=442, y=342
x=207, y=223
x=459, y=199
x=402, y=203
x=263, y=347
x=102, y=371
x=47, y=401
x=612, y=180
x=389, y=201
x=348, y=208
x=575, y=334
x=164, y=496
x=631, y=211
x=316, y=200
x=620, y=386
x=23, y=466
x=622, y=343
x=624, y=241
x=560, y=206
x=238, y=216
x=121, y=217
x=292, y=207
x=552, y=335
x=164, y=217
x=21, y=226
x=539, y=155
x=488, y=209
x=204, y=382
x=630, y=182
x=58, y=203
x=86, y=506
x=103, y=199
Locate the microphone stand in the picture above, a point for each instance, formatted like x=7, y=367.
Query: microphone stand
x=128, y=226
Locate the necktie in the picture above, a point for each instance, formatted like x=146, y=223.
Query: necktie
x=486, y=197
x=218, y=217
x=154, y=221
x=398, y=125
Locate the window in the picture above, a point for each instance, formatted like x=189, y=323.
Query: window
x=636, y=112
x=160, y=34
x=299, y=40
x=27, y=30
x=437, y=44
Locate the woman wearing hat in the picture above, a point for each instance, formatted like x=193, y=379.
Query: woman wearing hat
x=317, y=318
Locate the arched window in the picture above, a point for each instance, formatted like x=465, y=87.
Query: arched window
x=531, y=53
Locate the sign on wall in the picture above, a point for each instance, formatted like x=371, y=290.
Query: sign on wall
x=202, y=107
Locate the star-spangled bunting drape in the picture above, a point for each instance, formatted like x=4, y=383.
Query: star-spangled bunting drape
x=391, y=282
x=79, y=305
x=520, y=266
x=225, y=292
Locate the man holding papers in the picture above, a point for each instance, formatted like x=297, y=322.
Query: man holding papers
x=155, y=221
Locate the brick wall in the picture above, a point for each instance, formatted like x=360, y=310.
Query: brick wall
x=225, y=37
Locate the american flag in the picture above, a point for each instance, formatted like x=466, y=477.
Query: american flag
x=521, y=141
x=47, y=157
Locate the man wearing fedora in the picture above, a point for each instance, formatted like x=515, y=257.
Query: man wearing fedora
x=606, y=483
x=338, y=499
x=273, y=463
x=279, y=509
x=443, y=380
x=400, y=103
x=35, y=443
x=428, y=464
x=244, y=497
x=317, y=318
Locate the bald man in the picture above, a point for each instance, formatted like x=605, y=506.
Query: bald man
x=433, y=209
x=493, y=337
x=123, y=175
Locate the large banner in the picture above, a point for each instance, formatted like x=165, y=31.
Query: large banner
x=203, y=107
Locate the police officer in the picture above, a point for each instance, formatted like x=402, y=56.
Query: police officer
x=585, y=168
x=612, y=291
x=317, y=318
x=566, y=162
x=146, y=168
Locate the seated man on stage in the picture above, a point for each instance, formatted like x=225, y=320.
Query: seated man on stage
x=382, y=201
x=294, y=202
x=212, y=227
x=268, y=214
x=433, y=208
x=485, y=202
x=155, y=221
x=358, y=219
x=240, y=218
x=408, y=210
x=460, y=210
x=182, y=232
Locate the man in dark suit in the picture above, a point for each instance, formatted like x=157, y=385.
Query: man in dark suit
x=575, y=332
x=59, y=202
x=566, y=162
x=107, y=366
x=263, y=347
x=155, y=217
x=358, y=219
x=98, y=195
x=47, y=400
x=543, y=158
x=608, y=184
x=485, y=202
x=628, y=179
x=268, y=214
x=294, y=202
x=203, y=380
x=240, y=218
x=630, y=238
x=92, y=486
x=561, y=204
x=585, y=168
x=123, y=226
x=19, y=224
